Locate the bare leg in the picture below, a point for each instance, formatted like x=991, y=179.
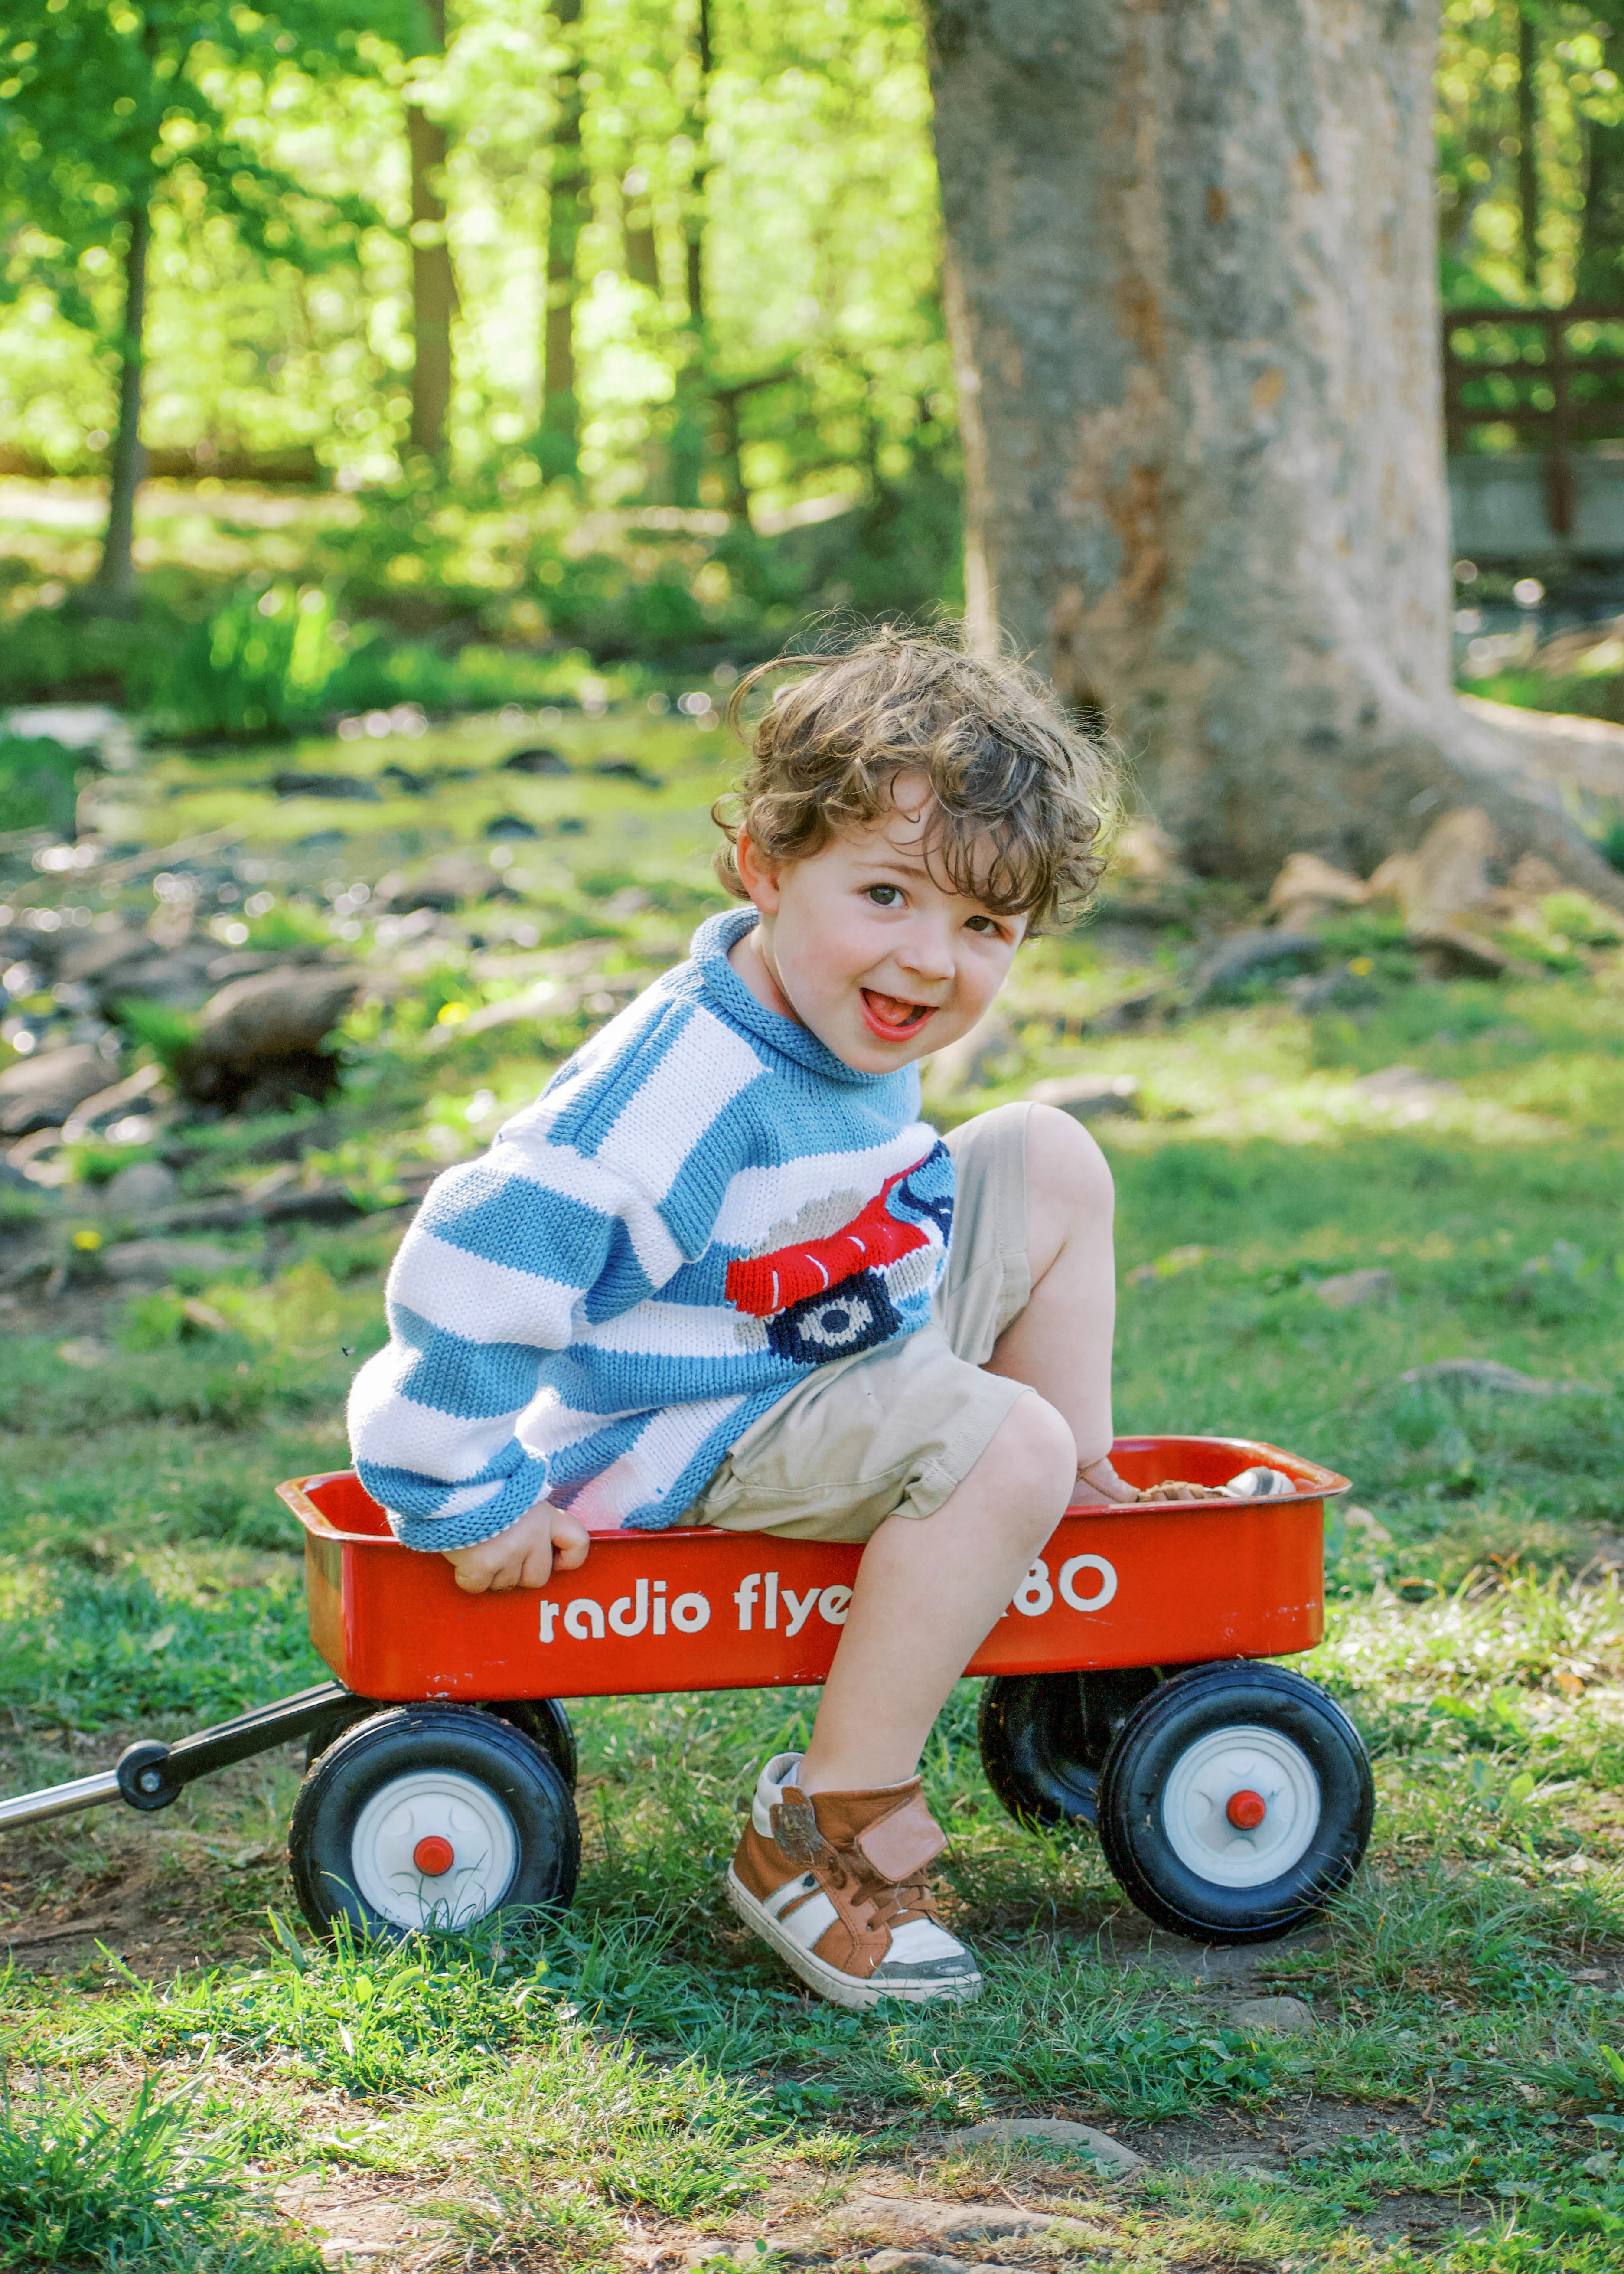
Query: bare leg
x=928, y=1591
x=1061, y=1343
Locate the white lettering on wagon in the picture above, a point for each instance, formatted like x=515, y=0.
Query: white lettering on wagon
x=1036, y=1593
x=628, y=1614
x=832, y=1604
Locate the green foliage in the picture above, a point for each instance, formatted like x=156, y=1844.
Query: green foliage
x=38, y=781
x=259, y=666
x=82, y=2189
x=169, y=1034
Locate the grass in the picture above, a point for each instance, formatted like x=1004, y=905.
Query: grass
x=639, y=2079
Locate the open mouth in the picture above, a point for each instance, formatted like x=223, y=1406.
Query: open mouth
x=894, y=1018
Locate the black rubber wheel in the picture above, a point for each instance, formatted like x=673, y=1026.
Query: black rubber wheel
x=1234, y=1801
x=1044, y=1737
x=431, y=1817
x=341, y=1715
x=546, y=1724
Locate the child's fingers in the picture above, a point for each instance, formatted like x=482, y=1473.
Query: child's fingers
x=571, y=1542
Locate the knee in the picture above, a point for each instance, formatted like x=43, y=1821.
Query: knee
x=1066, y=1169
x=1036, y=1457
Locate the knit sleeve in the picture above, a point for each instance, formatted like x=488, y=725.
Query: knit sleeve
x=506, y=1256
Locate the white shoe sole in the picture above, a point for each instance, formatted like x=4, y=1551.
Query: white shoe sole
x=829, y=1982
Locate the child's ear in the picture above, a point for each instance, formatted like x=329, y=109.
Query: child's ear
x=758, y=876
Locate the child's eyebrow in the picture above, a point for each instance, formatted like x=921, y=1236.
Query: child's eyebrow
x=889, y=860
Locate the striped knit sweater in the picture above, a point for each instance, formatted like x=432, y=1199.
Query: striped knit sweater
x=704, y=1203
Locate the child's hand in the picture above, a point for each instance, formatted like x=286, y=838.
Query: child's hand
x=1098, y=1486
x=525, y=1555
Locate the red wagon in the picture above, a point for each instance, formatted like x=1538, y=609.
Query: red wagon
x=1231, y=1798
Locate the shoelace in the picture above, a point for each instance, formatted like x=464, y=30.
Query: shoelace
x=889, y=1902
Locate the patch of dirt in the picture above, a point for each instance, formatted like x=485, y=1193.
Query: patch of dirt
x=164, y=1891
x=365, y=2221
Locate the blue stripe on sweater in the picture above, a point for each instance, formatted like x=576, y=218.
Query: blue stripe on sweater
x=472, y=1380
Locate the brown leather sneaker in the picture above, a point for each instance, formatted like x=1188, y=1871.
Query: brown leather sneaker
x=836, y=1884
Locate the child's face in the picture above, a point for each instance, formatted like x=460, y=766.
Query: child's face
x=868, y=947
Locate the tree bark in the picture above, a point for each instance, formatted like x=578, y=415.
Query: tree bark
x=698, y=126
x=433, y=281
x=1192, y=293
x=1528, y=149
x=113, y=590
x=566, y=212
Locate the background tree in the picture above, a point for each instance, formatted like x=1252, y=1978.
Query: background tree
x=112, y=107
x=568, y=188
x=1193, y=293
x=433, y=281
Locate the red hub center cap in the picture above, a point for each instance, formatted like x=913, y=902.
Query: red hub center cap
x=434, y=1856
x=1245, y=1811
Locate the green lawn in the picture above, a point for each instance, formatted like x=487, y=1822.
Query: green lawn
x=193, y=2083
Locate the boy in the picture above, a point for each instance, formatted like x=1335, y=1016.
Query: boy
x=708, y=1277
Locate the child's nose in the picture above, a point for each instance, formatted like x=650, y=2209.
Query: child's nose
x=927, y=951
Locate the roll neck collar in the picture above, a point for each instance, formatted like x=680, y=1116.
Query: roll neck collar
x=709, y=949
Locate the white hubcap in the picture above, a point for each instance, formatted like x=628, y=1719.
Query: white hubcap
x=412, y=1820
x=1207, y=1776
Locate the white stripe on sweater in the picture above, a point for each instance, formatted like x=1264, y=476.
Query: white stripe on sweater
x=663, y=1451
x=692, y=1085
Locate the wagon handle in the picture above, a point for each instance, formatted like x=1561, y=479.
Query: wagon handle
x=151, y=1775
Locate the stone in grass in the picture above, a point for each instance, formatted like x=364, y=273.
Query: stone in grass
x=154, y=1262
x=1088, y=1096
x=39, y=1093
x=1489, y=1374
x=1281, y=2017
x=1248, y=955
x=915, y=2219
x=1052, y=2132
x=291, y=783
x=536, y=758
x=1350, y=1290
x=143, y=1185
x=924, y=2262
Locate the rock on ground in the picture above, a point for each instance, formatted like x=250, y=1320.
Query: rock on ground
x=1446, y=875
x=1489, y=1374
x=1089, y=1097
x=143, y=1185
x=1249, y=952
x=1350, y=1290
x=925, y=2261
x=258, y=1041
x=908, y=2219
x=1054, y=2132
x=39, y=1093
x=154, y=1262
x=1308, y=886
x=1282, y=2017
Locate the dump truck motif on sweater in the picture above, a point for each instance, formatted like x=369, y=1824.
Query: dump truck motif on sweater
x=702, y=1202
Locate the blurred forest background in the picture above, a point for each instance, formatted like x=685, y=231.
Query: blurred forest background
x=498, y=333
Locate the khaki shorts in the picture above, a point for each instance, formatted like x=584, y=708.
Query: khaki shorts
x=892, y=1431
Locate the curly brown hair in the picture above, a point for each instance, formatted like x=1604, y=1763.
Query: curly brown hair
x=1021, y=795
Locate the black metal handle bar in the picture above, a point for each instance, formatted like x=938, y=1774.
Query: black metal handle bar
x=151, y=1775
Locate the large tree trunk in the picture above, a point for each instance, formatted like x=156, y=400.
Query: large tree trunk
x=113, y=590
x=1192, y=292
x=433, y=282
x=566, y=212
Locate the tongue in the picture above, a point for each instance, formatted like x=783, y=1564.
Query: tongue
x=892, y=1010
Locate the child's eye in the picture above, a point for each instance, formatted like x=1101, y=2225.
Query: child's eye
x=885, y=896
x=989, y=924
